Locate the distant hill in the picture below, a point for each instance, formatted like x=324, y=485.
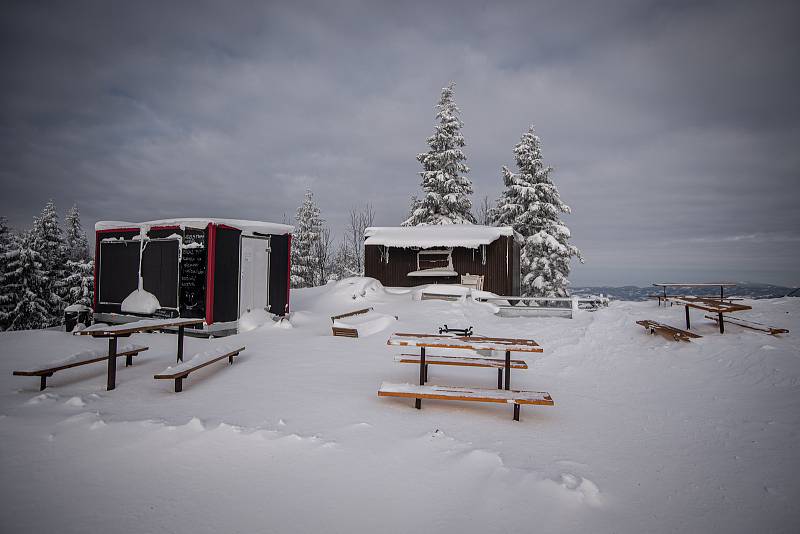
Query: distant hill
x=750, y=290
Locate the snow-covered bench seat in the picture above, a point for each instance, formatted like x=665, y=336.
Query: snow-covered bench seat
x=82, y=358
x=505, y=396
x=465, y=361
x=361, y=323
x=752, y=325
x=198, y=361
x=669, y=332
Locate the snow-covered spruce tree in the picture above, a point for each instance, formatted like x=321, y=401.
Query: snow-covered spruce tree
x=25, y=283
x=444, y=181
x=47, y=238
x=307, y=232
x=531, y=205
x=8, y=245
x=80, y=282
x=75, y=241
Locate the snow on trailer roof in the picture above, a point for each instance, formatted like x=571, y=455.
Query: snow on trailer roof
x=243, y=225
x=451, y=235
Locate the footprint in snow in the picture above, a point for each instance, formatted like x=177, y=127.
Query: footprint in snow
x=75, y=402
x=583, y=488
x=44, y=397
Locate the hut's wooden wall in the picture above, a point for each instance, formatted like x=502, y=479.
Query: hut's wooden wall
x=502, y=258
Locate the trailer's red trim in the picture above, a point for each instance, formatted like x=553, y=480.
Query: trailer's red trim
x=210, y=262
x=226, y=227
x=288, y=269
x=170, y=227
x=96, y=258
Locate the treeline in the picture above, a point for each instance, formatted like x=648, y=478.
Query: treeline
x=316, y=255
x=43, y=270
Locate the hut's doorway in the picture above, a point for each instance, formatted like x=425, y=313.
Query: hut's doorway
x=254, y=276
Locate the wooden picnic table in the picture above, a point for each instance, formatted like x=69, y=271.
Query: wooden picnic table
x=712, y=305
x=114, y=332
x=720, y=285
x=424, y=341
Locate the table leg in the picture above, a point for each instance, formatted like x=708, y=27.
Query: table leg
x=499, y=378
x=688, y=326
x=112, y=364
x=516, y=412
x=418, y=402
x=180, y=343
x=721, y=324
x=508, y=369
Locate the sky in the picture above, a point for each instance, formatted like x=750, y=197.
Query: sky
x=673, y=127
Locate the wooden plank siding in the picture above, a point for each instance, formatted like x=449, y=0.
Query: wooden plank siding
x=501, y=271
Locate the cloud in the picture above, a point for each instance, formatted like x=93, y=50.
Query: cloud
x=665, y=122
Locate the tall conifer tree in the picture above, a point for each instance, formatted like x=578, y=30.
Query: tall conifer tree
x=532, y=205
x=306, y=235
x=444, y=181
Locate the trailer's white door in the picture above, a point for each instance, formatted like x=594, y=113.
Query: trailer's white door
x=254, y=279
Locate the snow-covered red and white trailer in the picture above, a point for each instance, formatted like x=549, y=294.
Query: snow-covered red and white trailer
x=416, y=255
x=215, y=269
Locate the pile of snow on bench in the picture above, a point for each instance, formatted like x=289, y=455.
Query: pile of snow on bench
x=199, y=359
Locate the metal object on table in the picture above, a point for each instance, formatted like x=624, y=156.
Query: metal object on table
x=465, y=332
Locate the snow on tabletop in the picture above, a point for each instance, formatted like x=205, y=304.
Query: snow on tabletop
x=153, y=324
x=85, y=355
x=433, y=272
x=474, y=343
x=200, y=223
x=200, y=358
x=450, y=235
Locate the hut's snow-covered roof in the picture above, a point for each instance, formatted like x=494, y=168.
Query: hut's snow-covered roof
x=245, y=226
x=450, y=235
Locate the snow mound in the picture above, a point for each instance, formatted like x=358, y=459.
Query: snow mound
x=253, y=319
x=357, y=288
x=140, y=301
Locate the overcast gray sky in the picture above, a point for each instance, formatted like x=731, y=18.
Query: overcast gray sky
x=673, y=126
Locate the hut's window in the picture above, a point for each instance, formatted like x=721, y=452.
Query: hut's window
x=435, y=258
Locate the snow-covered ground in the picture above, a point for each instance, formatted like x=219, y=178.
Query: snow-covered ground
x=646, y=435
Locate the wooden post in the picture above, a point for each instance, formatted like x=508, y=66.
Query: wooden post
x=180, y=343
x=112, y=363
x=418, y=402
x=687, y=317
x=508, y=369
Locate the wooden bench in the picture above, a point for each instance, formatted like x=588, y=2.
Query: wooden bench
x=464, y=361
x=83, y=358
x=503, y=396
x=752, y=325
x=198, y=361
x=347, y=332
x=669, y=332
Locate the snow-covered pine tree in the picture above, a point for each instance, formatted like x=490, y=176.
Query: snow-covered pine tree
x=8, y=244
x=25, y=283
x=532, y=205
x=74, y=237
x=444, y=181
x=80, y=282
x=306, y=234
x=47, y=238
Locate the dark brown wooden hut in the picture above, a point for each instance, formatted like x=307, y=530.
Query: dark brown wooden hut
x=418, y=255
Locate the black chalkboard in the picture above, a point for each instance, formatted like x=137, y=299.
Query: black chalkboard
x=193, y=274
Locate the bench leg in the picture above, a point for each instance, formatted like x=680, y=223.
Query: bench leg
x=42, y=382
x=128, y=360
x=178, y=385
x=721, y=324
x=422, y=366
x=180, y=343
x=508, y=369
x=230, y=359
x=426, y=372
x=516, y=412
x=111, y=383
x=688, y=326
x=499, y=378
